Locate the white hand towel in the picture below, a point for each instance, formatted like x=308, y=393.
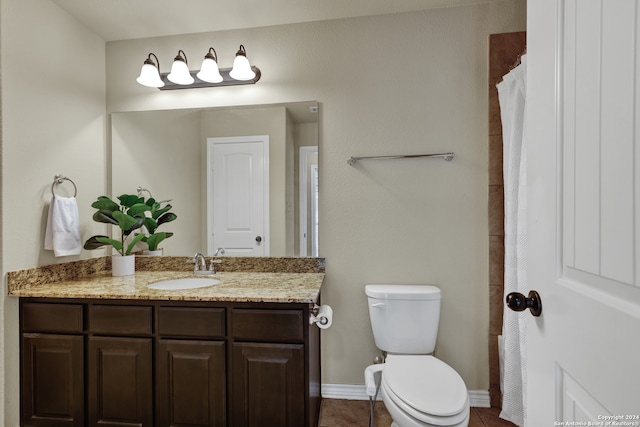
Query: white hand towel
x=62, y=234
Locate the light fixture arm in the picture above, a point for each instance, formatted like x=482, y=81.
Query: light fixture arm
x=241, y=51
x=150, y=62
x=213, y=56
x=182, y=58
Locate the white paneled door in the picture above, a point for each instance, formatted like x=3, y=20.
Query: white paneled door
x=238, y=195
x=583, y=120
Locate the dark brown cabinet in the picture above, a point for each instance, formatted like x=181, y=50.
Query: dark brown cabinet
x=268, y=360
x=120, y=387
x=119, y=364
x=52, y=380
x=268, y=385
x=191, y=379
x=165, y=363
x=52, y=365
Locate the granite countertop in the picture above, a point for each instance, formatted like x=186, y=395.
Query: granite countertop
x=93, y=280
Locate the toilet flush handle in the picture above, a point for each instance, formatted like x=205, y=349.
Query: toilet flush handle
x=377, y=304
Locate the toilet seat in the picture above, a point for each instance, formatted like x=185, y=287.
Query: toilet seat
x=426, y=388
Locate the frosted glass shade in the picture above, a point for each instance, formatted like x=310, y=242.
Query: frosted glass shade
x=149, y=76
x=180, y=74
x=209, y=71
x=241, y=69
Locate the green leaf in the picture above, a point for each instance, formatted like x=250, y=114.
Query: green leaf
x=139, y=223
x=128, y=223
x=128, y=200
x=168, y=217
x=138, y=209
x=154, y=240
x=108, y=241
x=93, y=243
x=97, y=242
x=151, y=202
x=105, y=217
x=151, y=225
x=133, y=243
x=106, y=204
x=155, y=214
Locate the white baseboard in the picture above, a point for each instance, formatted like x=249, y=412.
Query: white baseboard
x=477, y=398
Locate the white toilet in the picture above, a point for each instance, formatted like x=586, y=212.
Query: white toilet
x=418, y=390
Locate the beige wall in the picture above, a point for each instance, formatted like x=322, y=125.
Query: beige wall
x=53, y=121
x=393, y=84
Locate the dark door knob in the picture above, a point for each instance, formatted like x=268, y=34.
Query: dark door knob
x=518, y=302
x=258, y=239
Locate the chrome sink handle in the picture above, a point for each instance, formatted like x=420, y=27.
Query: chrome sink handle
x=219, y=251
x=212, y=262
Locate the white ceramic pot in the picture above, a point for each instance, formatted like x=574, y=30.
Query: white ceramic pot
x=157, y=252
x=123, y=265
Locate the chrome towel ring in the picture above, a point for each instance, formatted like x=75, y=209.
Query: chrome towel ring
x=59, y=179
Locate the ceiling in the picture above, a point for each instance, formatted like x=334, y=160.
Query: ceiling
x=132, y=19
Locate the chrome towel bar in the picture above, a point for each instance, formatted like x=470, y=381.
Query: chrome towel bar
x=446, y=156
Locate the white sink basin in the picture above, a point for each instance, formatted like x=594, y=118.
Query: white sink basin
x=184, y=283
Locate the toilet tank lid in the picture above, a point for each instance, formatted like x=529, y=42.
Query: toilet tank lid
x=403, y=292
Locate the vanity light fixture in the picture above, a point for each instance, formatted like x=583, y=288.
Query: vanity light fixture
x=241, y=67
x=209, y=75
x=209, y=71
x=150, y=74
x=180, y=74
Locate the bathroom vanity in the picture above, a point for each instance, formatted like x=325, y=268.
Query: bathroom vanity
x=242, y=355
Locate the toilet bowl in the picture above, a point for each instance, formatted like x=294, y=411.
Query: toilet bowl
x=422, y=391
x=418, y=389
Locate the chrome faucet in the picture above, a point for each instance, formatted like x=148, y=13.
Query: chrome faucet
x=203, y=262
x=200, y=264
x=219, y=251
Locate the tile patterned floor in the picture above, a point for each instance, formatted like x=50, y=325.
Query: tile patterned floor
x=355, y=413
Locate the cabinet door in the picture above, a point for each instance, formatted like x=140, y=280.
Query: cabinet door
x=120, y=382
x=52, y=380
x=268, y=385
x=191, y=383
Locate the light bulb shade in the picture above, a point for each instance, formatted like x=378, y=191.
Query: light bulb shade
x=149, y=74
x=241, y=67
x=209, y=71
x=180, y=74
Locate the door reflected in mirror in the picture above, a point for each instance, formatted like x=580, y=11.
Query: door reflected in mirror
x=170, y=153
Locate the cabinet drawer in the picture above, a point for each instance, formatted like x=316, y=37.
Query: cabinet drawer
x=114, y=319
x=268, y=325
x=66, y=318
x=191, y=321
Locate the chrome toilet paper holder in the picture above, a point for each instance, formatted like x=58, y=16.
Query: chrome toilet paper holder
x=313, y=316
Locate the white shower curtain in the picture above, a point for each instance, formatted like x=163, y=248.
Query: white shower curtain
x=511, y=94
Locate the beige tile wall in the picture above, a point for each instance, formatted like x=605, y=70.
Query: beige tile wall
x=504, y=50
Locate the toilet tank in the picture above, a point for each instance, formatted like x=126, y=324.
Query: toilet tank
x=404, y=318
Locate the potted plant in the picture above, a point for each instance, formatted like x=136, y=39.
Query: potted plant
x=128, y=215
x=157, y=215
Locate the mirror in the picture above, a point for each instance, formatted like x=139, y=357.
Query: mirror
x=170, y=153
